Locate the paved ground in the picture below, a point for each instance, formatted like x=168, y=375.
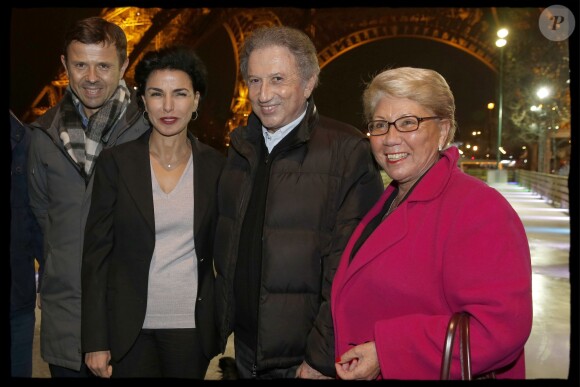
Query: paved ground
x=548, y=348
x=548, y=231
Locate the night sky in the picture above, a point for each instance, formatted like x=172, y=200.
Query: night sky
x=342, y=81
x=36, y=36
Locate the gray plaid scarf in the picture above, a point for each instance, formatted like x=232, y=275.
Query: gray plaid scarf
x=84, y=145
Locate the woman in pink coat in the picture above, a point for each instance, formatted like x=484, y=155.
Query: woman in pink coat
x=438, y=241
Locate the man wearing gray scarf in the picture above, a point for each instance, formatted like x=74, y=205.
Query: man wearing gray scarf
x=97, y=111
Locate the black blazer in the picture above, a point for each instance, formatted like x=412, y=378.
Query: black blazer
x=119, y=242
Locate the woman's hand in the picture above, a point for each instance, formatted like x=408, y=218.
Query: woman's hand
x=359, y=363
x=98, y=363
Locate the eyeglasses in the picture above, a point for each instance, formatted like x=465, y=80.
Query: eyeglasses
x=403, y=124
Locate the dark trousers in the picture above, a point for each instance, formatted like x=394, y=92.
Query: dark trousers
x=21, y=338
x=63, y=372
x=164, y=353
x=245, y=359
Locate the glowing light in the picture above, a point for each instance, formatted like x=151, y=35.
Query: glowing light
x=543, y=92
x=502, y=33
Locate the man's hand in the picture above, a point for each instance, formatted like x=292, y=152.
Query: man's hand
x=307, y=372
x=98, y=363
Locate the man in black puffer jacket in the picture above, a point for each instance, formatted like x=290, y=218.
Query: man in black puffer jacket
x=294, y=187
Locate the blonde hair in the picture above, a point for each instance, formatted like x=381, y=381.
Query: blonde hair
x=426, y=87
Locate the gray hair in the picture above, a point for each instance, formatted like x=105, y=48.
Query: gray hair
x=426, y=87
x=299, y=44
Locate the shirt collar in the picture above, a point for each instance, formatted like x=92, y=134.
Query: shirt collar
x=84, y=118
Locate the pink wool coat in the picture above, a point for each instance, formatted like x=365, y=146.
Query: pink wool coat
x=455, y=244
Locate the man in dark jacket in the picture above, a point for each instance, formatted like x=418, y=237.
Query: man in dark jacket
x=294, y=187
x=97, y=111
x=25, y=246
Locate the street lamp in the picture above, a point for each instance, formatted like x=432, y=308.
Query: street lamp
x=543, y=93
x=501, y=42
x=490, y=107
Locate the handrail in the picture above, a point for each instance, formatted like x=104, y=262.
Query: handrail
x=553, y=188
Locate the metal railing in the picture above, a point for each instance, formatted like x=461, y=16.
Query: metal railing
x=553, y=188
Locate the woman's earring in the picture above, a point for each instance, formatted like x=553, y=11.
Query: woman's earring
x=196, y=115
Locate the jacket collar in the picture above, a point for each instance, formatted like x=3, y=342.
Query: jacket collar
x=437, y=178
x=136, y=172
x=17, y=130
x=429, y=188
x=304, y=129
